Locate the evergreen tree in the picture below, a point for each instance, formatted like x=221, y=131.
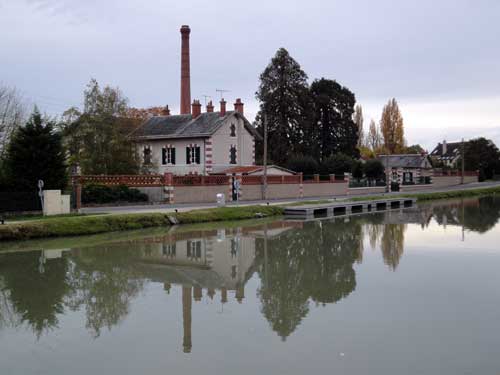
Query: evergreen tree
x=335, y=130
x=392, y=127
x=283, y=94
x=481, y=155
x=36, y=153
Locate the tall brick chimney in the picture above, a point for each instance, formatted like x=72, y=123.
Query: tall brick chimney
x=222, y=107
x=185, y=71
x=238, y=106
x=196, y=108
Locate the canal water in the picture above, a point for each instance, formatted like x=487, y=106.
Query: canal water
x=412, y=291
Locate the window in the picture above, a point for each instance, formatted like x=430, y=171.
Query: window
x=233, y=130
x=147, y=155
x=232, y=155
x=194, y=250
x=168, y=155
x=193, y=154
x=234, y=247
x=168, y=250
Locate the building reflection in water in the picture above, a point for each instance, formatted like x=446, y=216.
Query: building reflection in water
x=298, y=264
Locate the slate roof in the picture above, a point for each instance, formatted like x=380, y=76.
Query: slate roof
x=184, y=126
x=452, y=150
x=405, y=161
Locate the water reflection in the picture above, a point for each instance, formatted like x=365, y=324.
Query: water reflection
x=297, y=264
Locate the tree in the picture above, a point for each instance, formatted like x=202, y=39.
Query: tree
x=373, y=138
x=282, y=93
x=335, y=130
x=12, y=115
x=392, y=127
x=97, y=138
x=414, y=149
x=358, y=120
x=36, y=153
x=337, y=164
x=357, y=169
x=481, y=155
x=374, y=169
x=304, y=164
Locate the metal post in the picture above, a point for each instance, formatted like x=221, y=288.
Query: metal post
x=264, y=177
x=463, y=162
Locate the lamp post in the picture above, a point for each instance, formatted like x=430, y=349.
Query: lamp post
x=264, y=177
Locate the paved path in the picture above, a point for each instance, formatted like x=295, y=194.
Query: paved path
x=191, y=206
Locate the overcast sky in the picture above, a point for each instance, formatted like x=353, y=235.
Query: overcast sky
x=439, y=58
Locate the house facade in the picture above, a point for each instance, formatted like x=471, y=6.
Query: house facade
x=407, y=169
x=197, y=143
x=447, y=153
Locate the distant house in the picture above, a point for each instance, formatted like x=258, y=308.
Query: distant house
x=447, y=153
x=406, y=168
x=197, y=143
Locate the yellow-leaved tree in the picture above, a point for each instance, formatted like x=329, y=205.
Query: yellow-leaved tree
x=392, y=127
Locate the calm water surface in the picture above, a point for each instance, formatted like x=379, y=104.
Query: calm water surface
x=403, y=292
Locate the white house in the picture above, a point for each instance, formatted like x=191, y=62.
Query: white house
x=197, y=143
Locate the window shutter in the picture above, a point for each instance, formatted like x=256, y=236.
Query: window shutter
x=164, y=156
x=197, y=155
x=188, y=155
x=172, y=155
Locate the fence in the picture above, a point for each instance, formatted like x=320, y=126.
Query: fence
x=115, y=180
x=453, y=173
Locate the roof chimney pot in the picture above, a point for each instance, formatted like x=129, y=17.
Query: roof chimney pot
x=238, y=106
x=165, y=111
x=222, y=107
x=210, y=107
x=196, y=108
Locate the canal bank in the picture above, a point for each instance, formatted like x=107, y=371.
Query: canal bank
x=95, y=224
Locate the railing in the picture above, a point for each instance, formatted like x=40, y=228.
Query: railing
x=453, y=173
x=114, y=180
x=196, y=180
x=199, y=180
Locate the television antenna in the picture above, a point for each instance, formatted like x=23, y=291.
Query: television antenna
x=206, y=97
x=221, y=92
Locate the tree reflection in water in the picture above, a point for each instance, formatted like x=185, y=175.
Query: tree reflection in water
x=314, y=263
x=104, y=282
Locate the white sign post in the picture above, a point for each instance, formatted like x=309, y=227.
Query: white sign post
x=40, y=191
x=237, y=186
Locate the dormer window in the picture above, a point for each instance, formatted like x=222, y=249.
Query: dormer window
x=232, y=129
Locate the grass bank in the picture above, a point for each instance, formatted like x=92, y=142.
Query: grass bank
x=86, y=225
x=95, y=224
x=468, y=193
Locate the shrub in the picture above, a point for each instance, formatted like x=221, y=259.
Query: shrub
x=374, y=169
x=357, y=169
x=108, y=194
x=303, y=163
x=337, y=164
